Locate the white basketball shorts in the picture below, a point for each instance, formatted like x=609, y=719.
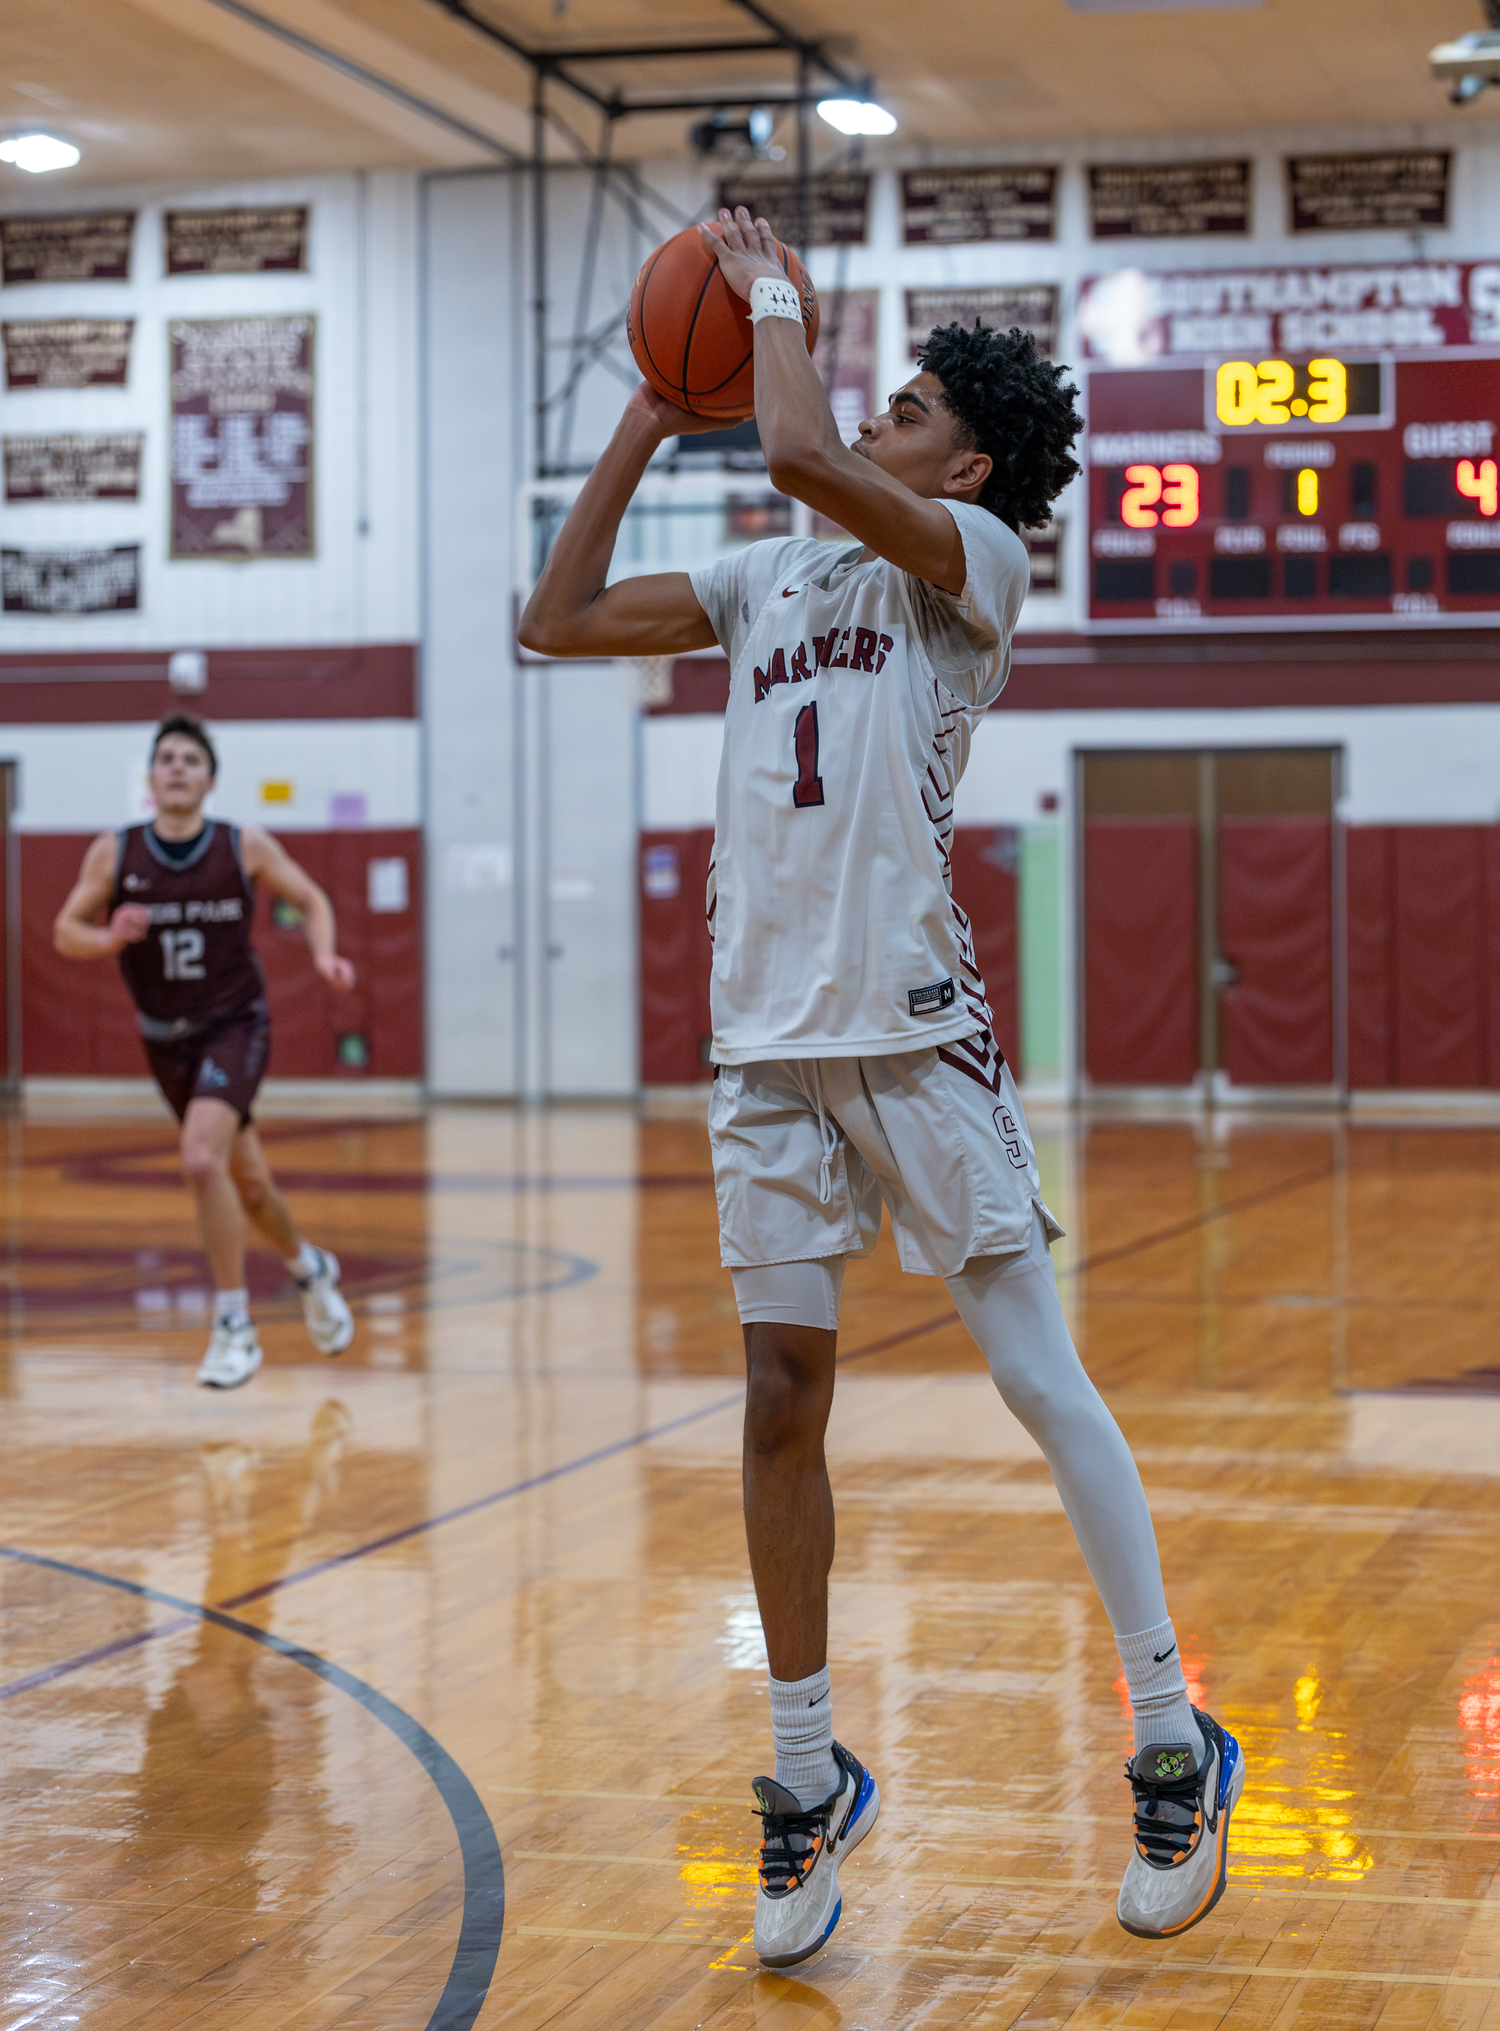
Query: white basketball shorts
x=806, y=1149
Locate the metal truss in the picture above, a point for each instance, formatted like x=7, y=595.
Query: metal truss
x=649, y=213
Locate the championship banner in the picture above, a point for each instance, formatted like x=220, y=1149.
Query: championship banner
x=1403, y=306
x=71, y=581
x=1400, y=188
x=56, y=247
x=102, y=466
x=837, y=207
x=242, y=395
x=243, y=242
x=947, y=207
x=67, y=352
x=1031, y=305
x=1167, y=200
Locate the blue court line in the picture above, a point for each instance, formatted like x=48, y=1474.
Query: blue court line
x=483, y=1923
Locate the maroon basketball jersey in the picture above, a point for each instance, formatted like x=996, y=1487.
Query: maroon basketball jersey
x=196, y=963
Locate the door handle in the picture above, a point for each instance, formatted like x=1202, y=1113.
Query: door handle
x=1223, y=972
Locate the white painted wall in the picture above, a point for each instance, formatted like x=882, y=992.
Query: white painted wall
x=87, y=778
x=1404, y=764
x=361, y=285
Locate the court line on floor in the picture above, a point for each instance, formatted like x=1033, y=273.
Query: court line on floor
x=1023, y=1958
x=635, y=1440
x=483, y=1922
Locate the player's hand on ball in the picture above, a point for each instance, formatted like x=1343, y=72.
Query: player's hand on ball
x=336, y=971
x=130, y=923
x=668, y=420
x=744, y=248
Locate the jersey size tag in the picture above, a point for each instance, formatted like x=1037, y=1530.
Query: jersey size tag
x=927, y=1000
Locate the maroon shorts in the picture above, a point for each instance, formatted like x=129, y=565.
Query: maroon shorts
x=224, y=1061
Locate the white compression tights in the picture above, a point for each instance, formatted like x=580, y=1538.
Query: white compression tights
x=1010, y=1305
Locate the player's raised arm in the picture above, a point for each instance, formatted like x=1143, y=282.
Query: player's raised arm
x=76, y=930
x=572, y=612
x=896, y=512
x=267, y=862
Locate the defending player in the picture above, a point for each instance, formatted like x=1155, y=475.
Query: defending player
x=853, y=1044
x=180, y=894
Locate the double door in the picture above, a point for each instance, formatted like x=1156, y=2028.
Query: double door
x=1208, y=919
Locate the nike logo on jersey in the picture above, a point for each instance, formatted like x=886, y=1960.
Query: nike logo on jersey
x=829, y=652
x=136, y=881
x=790, y=591
x=1162, y=1657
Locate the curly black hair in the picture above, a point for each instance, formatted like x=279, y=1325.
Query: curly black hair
x=1008, y=401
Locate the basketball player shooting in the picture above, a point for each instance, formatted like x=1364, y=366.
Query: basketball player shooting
x=855, y=1059
x=179, y=895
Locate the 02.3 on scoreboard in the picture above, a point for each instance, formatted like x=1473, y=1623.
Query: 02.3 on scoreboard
x=1336, y=489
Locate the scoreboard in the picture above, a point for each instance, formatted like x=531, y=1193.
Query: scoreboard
x=1316, y=489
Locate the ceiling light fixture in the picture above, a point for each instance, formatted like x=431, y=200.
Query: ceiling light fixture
x=37, y=153
x=856, y=116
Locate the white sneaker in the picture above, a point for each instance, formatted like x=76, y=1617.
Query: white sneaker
x=1184, y=1798
x=324, y=1306
x=233, y=1355
x=798, y=1904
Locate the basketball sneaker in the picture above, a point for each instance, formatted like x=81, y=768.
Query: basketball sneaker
x=233, y=1355
x=1183, y=1801
x=324, y=1306
x=797, y=1904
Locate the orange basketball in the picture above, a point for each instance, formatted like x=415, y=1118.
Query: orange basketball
x=691, y=336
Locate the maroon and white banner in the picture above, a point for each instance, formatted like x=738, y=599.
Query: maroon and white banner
x=1130, y=317
x=73, y=247
x=71, y=581
x=242, y=393
x=101, y=465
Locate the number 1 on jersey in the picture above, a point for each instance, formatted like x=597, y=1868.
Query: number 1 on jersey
x=808, y=788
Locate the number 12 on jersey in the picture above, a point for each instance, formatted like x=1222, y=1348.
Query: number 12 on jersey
x=808, y=788
x=182, y=952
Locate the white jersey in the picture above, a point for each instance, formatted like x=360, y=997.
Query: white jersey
x=851, y=695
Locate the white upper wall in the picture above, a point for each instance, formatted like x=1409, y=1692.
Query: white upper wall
x=362, y=585
x=886, y=264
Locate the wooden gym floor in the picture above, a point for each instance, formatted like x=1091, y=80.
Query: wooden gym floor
x=303, y=1683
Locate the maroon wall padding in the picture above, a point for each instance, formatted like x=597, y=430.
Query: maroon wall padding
x=76, y=1018
x=1276, y=926
x=1370, y=864
x=676, y=957
x=985, y=859
x=1442, y=959
x=362, y=680
x=1141, y=951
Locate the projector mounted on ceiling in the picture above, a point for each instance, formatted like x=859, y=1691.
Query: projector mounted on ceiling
x=1471, y=61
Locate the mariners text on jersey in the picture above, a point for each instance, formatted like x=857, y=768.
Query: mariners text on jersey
x=853, y=692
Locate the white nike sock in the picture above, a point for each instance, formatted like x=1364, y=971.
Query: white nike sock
x=231, y=1305
x=1158, y=1690
x=802, y=1729
x=305, y=1263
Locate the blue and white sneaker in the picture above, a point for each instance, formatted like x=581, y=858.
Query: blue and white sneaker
x=325, y=1309
x=798, y=1903
x=1183, y=1801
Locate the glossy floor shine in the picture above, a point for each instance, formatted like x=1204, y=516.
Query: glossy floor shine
x=483, y=1579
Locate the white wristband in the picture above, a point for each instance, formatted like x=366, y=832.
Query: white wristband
x=771, y=298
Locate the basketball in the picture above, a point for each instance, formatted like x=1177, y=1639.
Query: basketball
x=691, y=335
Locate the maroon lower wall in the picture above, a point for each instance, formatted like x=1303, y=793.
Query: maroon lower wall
x=676, y=955
x=1424, y=955
x=77, y=1018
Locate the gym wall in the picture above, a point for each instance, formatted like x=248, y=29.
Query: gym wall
x=311, y=663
